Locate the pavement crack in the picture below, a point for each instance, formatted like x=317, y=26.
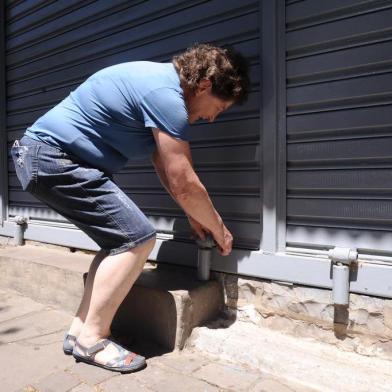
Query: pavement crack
x=24, y=340
x=20, y=316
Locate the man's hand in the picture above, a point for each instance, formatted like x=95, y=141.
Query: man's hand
x=198, y=229
x=225, y=241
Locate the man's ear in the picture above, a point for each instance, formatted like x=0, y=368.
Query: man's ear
x=204, y=85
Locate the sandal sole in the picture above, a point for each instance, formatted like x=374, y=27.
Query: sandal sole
x=115, y=369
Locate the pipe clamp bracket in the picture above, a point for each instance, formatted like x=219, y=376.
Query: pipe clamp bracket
x=343, y=255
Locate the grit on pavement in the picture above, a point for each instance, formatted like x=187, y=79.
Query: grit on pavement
x=32, y=360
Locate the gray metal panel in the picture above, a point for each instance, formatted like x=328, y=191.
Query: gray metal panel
x=371, y=278
x=3, y=130
x=53, y=46
x=273, y=154
x=339, y=122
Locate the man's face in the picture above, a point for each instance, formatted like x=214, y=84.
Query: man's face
x=205, y=106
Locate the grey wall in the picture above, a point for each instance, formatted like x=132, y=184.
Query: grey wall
x=334, y=104
x=339, y=123
x=53, y=46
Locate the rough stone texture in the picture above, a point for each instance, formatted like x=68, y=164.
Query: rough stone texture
x=181, y=362
x=83, y=388
x=269, y=385
x=57, y=382
x=89, y=374
x=159, y=379
x=20, y=365
x=32, y=325
x=227, y=376
x=308, y=312
x=307, y=365
x=123, y=383
x=388, y=315
x=12, y=307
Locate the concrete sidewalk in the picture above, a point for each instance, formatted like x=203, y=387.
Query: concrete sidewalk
x=31, y=359
x=40, y=290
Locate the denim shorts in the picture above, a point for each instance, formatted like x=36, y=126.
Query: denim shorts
x=84, y=195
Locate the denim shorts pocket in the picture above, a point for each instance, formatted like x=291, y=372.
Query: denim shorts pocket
x=52, y=161
x=26, y=165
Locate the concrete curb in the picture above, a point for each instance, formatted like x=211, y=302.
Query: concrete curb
x=48, y=276
x=165, y=303
x=302, y=362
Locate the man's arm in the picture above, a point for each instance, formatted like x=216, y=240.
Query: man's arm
x=174, y=167
x=159, y=169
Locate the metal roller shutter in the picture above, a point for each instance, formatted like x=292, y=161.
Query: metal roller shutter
x=339, y=123
x=52, y=46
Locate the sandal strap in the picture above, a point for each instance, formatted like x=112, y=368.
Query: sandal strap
x=90, y=351
x=124, y=359
x=125, y=356
x=70, y=337
x=122, y=351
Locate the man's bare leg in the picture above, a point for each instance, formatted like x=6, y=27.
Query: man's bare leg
x=114, y=278
x=80, y=316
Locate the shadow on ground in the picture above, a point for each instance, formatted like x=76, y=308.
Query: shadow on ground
x=146, y=347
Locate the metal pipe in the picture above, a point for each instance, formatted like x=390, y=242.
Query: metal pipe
x=341, y=258
x=204, y=257
x=341, y=284
x=368, y=257
x=21, y=222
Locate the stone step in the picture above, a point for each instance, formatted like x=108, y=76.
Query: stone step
x=165, y=303
x=304, y=364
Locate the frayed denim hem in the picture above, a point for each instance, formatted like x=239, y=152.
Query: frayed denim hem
x=130, y=245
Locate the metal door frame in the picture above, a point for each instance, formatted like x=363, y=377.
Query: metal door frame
x=3, y=124
x=273, y=126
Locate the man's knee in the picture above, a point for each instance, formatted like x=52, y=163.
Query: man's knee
x=150, y=243
x=146, y=246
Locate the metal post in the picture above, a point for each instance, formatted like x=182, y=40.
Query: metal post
x=204, y=257
x=273, y=126
x=3, y=128
x=21, y=222
x=342, y=258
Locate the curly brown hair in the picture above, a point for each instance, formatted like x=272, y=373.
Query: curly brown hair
x=224, y=67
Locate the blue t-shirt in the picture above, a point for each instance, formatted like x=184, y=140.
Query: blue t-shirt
x=107, y=120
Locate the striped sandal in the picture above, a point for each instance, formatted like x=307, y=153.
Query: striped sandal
x=69, y=342
x=125, y=362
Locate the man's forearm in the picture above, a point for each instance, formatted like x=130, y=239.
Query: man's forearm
x=194, y=201
x=163, y=179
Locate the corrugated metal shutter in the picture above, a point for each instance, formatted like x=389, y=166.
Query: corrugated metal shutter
x=339, y=123
x=52, y=46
